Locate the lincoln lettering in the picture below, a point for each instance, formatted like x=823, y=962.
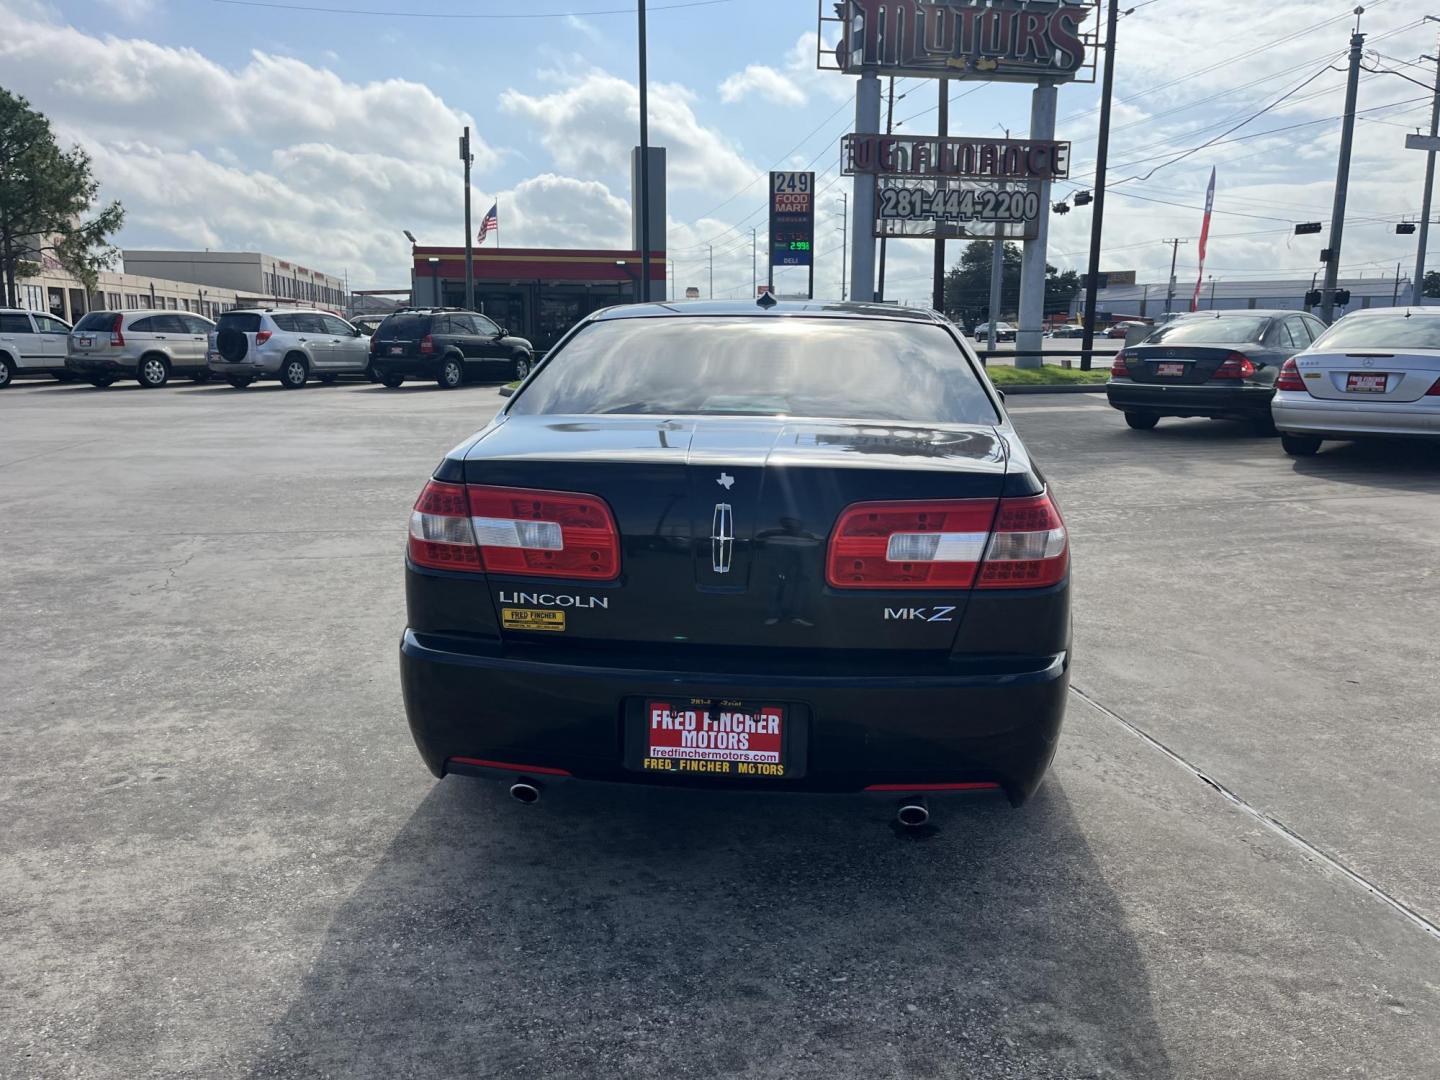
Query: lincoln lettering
x=560, y=600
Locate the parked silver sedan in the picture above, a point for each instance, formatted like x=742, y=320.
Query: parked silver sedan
x=1374, y=373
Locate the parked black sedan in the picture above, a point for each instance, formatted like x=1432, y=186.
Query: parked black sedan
x=1220, y=364
x=780, y=545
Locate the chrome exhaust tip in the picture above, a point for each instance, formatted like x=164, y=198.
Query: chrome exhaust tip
x=913, y=813
x=524, y=792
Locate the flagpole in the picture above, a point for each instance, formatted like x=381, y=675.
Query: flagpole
x=497, y=221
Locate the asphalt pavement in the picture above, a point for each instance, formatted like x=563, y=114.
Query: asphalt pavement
x=221, y=856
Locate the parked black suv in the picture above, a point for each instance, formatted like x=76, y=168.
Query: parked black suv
x=448, y=345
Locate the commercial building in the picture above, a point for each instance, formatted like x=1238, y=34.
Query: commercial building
x=248, y=273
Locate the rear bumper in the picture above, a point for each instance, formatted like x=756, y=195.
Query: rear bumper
x=1300, y=414
x=1167, y=399
x=466, y=699
x=86, y=364
x=255, y=368
x=409, y=366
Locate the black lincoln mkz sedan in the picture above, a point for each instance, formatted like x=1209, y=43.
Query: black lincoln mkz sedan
x=778, y=545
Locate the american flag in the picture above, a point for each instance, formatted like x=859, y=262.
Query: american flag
x=490, y=221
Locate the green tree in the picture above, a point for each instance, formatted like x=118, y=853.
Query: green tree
x=967, y=285
x=1060, y=289
x=1432, y=283
x=47, y=202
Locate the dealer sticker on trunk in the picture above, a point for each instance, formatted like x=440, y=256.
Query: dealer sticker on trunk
x=512, y=618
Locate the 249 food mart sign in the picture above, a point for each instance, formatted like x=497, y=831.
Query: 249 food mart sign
x=1005, y=40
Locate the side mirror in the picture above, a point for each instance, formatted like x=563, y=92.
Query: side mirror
x=1001, y=393
x=504, y=331
x=355, y=331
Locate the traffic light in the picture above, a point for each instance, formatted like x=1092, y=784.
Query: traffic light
x=1307, y=227
x=1342, y=297
x=1405, y=228
x=1313, y=298
x=1082, y=198
x=1061, y=208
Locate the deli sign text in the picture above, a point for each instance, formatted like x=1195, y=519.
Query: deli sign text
x=1010, y=40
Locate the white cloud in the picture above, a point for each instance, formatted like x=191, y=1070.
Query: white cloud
x=132, y=10
x=763, y=81
x=560, y=211
x=590, y=125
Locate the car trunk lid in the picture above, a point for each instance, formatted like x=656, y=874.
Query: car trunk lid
x=725, y=522
x=1370, y=375
x=1185, y=365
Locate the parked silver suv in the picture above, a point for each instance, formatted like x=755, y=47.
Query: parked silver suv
x=31, y=343
x=287, y=345
x=150, y=345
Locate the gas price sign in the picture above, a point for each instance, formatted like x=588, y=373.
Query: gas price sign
x=792, y=218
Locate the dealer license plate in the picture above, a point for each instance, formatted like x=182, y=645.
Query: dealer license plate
x=1169, y=369
x=396, y=350
x=85, y=342
x=1357, y=383
x=707, y=736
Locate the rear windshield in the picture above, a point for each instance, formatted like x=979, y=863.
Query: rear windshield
x=96, y=320
x=785, y=366
x=1216, y=330
x=404, y=326
x=246, y=322
x=1398, y=331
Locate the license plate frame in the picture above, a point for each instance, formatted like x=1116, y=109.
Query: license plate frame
x=725, y=763
x=1170, y=368
x=1367, y=382
x=397, y=350
x=85, y=342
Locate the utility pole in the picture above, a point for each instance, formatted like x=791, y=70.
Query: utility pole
x=645, y=165
x=1097, y=213
x=1212, y=292
x=938, y=289
x=468, y=159
x=997, y=271
x=1395, y=293
x=711, y=249
x=1417, y=287
x=889, y=129
x=1342, y=175
x=754, y=266
x=1174, y=243
x=844, y=238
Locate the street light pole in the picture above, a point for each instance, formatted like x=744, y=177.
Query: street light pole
x=1097, y=213
x=1174, y=243
x=1417, y=287
x=1342, y=177
x=644, y=164
x=937, y=299
x=844, y=238
x=468, y=159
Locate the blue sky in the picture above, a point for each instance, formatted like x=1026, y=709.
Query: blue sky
x=320, y=135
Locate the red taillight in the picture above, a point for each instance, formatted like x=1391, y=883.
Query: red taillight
x=1119, y=369
x=1290, y=378
x=1236, y=366
x=1434, y=391
x=262, y=336
x=117, y=339
x=545, y=533
x=441, y=535
x=427, y=344
x=1029, y=548
x=909, y=545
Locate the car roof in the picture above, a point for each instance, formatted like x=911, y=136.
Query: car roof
x=1406, y=309
x=843, y=309
x=1224, y=313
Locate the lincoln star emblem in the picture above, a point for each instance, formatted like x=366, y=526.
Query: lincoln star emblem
x=726, y=481
x=722, y=537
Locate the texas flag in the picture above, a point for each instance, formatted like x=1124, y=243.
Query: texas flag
x=491, y=221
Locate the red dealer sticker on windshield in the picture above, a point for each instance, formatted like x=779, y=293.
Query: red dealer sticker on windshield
x=698, y=729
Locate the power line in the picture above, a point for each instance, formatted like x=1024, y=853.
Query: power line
x=469, y=15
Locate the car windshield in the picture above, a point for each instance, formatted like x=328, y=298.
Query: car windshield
x=96, y=320
x=1218, y=330
x=243, y=321
x=761, y=366
x=1397, y=331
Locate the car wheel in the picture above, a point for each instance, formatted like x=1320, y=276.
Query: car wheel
x=451, y=374
x=294, y=373
x=326, y=380
x=1300, y=445
x=522, y=367
x=1141, y=421
x=153, y=372
x=239, y=382
x=100, y=382
x=200, y=377
x=392, y=381
x=7, y=372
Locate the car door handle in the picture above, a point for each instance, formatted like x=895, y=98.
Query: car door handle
x=161, y=337
x=304, y=339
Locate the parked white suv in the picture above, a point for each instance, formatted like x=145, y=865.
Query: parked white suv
x=31, y=343
x=150, y=345
x=286, y=345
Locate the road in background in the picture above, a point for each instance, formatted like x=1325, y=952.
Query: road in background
x=223, y=857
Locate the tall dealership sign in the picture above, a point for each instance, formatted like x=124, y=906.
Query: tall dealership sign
x=792, y=222
x=1005, y=40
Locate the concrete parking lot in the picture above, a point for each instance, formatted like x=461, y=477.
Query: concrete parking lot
x=221, y=856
